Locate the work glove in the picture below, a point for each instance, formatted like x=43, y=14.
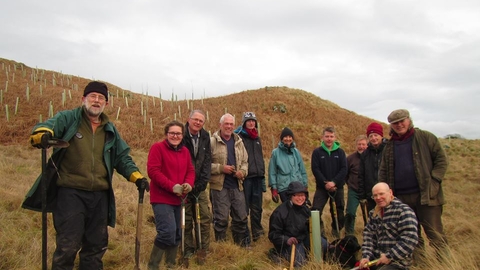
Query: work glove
x=177, y=189
x=142, y=183
x=291, y=241
x=275, y=196
x=40, y=139
x=186, y=188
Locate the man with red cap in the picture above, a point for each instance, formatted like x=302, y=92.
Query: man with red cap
x=370, y=162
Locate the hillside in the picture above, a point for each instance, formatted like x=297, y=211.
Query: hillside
x=304, y=113
x=38, y=91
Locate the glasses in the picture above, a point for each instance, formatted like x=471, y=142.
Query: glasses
x=96, y=97
x=197, y=120
x=174, y=134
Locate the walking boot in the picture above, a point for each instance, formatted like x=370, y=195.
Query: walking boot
x=155, y=258
x=171, y=256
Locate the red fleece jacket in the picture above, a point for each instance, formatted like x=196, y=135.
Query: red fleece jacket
x=167, y=167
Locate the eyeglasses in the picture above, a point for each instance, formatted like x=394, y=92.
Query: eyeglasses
x=96, y=97
x=197, y=120
x=175, y=134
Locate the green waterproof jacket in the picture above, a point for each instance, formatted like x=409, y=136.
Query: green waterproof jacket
x=430, y=163
x=116, y=155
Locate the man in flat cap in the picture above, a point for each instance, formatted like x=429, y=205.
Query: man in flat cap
x=414, y=165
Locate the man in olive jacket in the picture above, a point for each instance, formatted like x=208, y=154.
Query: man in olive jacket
x=79, y=178
x=414, y=164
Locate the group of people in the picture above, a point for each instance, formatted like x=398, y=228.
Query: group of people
x=411, y=164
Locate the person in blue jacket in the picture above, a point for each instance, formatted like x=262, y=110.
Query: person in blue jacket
x=286, y=165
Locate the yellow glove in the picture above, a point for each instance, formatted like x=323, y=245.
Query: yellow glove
x=40, y=137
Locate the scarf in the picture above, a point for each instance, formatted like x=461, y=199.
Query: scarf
x=252, y=133
x=408, y=134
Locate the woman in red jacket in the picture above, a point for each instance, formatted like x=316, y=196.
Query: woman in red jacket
x=172, y=176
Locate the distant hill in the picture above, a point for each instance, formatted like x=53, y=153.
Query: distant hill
x=33, y=93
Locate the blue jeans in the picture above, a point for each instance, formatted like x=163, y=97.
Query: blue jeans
x=252, y=187
x=167, y=223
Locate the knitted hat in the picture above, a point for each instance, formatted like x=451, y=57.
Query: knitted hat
x=296, y=187
x=286, y=132
x=398, y=115
x=375, y=128
x=249, y=116
x=97, y=87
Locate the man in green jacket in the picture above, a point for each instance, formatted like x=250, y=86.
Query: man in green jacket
x=79, y=178
x=414, y=165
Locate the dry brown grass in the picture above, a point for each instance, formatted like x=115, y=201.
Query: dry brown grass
x=20, y=233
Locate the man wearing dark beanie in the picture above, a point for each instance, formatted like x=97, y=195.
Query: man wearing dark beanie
x=97, y=87
x=369, y=163
x=82, y=200
x=286, y=166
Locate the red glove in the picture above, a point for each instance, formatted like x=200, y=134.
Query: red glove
x=291, y=241
x=275, y=196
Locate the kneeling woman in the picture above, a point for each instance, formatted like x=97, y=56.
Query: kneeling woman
x=289, y=225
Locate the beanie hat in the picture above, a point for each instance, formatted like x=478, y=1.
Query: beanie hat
x=398, y=115
x=97, y=87
x=375, y=128
x=296, y=187
x=286, y=132
x=249, y=116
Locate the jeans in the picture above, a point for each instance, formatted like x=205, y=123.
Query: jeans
x=167, y=223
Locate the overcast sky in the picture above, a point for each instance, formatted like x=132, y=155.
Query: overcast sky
x=370, y=57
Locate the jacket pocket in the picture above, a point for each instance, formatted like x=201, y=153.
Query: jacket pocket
x=434, y=188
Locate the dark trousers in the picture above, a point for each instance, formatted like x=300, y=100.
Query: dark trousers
x=430, y=219
x=167, y=223
x=252, y=188
x=353, y=200
x=191, y=228
x=225, y=203
x=321, y=198
x=80, y=220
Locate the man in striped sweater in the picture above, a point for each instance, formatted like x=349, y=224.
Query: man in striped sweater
x=391, y=233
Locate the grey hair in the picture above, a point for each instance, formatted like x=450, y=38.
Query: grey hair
x=196, y=111
x=222, y=119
